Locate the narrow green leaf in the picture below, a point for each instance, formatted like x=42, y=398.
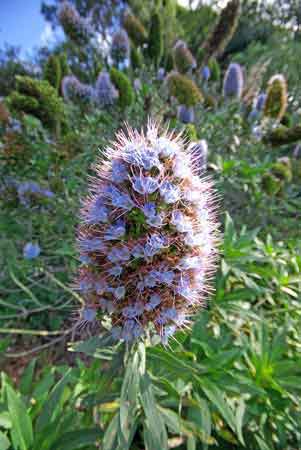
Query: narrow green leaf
x=27, y=377
x=216, y=396
x=51, y=407
x=78, y=439
x=21, y=422
x=110, y=438
x=154, y=423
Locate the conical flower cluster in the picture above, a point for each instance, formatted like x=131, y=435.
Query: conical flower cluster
x=105, y=92
x=120, y=49
x=75, y=27
x=233, y=81
x=148, y=236
x=75, y=91
x=276, y=100
x=183, y=58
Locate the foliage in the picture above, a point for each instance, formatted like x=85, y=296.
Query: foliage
x=53, y=71
x=123, y=85
x=39, y=99
x=155, y=39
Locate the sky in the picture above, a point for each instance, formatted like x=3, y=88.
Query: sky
x=22, y=24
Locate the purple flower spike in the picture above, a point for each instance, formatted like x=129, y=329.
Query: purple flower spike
x=148, y=238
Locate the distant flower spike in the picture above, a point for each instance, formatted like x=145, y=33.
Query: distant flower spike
x=223, y=31
x=75, y=27
x=233, y=81
x=75, y=91
x=276, y=100
x=148, y=237
x=135, y=29
x=105, y=93
x=120, y=49
x=183, y=58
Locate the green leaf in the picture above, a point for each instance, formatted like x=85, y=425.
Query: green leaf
x=27, y=377
x=52, y=406
x=154, y=427
x=4, y=442
x=77, y=439
x=21, y=422
x=216, y=396
x=5, y=421
x=110, y=437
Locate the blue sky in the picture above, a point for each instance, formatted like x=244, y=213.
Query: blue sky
x=22, y=24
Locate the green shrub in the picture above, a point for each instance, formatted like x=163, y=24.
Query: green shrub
x=124, y=87
x=155, y=40
x=38, y=98
x=53, y=72
x=215, y=70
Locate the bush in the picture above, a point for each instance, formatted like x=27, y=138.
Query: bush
x=124, y=87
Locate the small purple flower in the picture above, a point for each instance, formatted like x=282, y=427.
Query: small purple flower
x=181, y=168
x=86, y=285
x=119, y=172
x=190, y=262
x=119, y=292
x=149, y=158
x=98, y=212
x=154, y=244
x=150, y=280
x=156, y=221
x=160, y=74
x=89, y=314
x=118, y=254
x=31, y=250
x=153, y=302
x=168, y=331
x=149, y=209
x=138, y=251
x=145, y=185
x=92, y=245
x=115, y=271
x=170, y=192
x=130, y=312
x=181, y=222
x=131, y=330
x=169, y=313
x=166, y=277
x=206, y=73
x=166, y=148
x=85, y=259
x=119, y=199
x=101, y=286
x=115, y=231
